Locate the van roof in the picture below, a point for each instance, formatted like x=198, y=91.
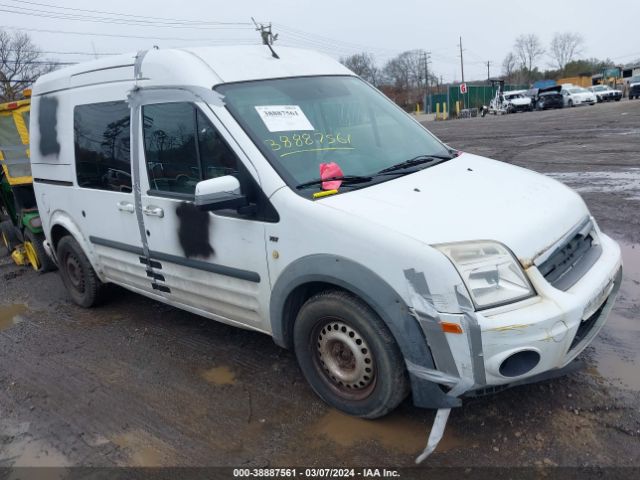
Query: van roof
x=204, y=66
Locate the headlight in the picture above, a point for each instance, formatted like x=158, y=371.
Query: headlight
x=490, y=272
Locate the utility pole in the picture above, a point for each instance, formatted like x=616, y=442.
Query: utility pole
x=426, y=60
x=461, y=67
x=461, y=60
x=488, y=71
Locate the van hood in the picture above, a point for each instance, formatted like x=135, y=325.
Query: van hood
x=470, y=198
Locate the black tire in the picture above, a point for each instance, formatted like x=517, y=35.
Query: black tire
x=45, y=263
x=337, y=334
x=8, y=236
x=78, y=275
x=570, y=103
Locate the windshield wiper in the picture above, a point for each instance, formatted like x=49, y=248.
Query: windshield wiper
x=412, y=162
x=346, y=180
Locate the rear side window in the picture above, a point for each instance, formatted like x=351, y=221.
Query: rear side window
x=102, y=146
x=182, y=147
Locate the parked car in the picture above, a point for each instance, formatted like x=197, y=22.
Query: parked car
x=546, y=98
x=332, y=221
x=605, y=93
x=634, y=87
x=574, y=96
x=516, y=101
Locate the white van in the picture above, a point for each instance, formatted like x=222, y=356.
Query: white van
x=287, y=196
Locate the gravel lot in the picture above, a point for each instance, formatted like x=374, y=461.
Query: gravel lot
x=135, y=382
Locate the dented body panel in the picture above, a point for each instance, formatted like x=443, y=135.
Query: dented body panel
x=382, y=243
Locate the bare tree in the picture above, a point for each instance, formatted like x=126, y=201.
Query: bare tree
x=564, y=47
x=364, y=65
x=528, y=49
x=406, y=73
x=509, y=66
x=21, y=64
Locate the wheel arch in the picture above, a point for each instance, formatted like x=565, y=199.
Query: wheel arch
x=62, y=225
x=311, y=274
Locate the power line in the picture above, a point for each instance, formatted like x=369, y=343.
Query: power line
x=144, y=17
x=121, y=35
x=39, y=62
x=112, y=21
x=66, y=53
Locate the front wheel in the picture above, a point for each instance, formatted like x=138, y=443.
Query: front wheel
x=348, y=355
x=570, y=103
x=77, y=274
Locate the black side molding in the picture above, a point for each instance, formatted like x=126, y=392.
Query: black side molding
x=186, y=262
x=59, y=183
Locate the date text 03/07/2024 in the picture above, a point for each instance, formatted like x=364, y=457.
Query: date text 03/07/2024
x=315, y=473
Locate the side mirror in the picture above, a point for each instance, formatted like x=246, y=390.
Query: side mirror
x=219, y=193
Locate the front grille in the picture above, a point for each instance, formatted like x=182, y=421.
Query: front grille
x=586, y=326
x=571, y=261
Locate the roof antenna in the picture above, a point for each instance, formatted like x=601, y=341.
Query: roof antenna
x=267, y=36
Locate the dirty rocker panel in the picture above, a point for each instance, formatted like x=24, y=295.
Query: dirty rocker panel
x=187, y=262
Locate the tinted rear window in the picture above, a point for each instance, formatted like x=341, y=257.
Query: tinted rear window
x=102, y=138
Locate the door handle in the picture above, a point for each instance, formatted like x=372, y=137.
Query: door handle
x=153, y=211
x=126, y=207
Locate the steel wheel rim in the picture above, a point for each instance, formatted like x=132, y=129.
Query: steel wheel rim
x=343, y=359
x=74, y=272
x=32, y=256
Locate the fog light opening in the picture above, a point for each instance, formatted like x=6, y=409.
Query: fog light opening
x=519, y=363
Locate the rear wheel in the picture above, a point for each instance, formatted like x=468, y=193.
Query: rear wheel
x=8, y=236
x=78, y=275
x=348, y=355
x=36, y=254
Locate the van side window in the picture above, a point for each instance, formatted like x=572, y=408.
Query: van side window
x=182, y=147
x=102, y=146
x=170, y=147
x=216, y=156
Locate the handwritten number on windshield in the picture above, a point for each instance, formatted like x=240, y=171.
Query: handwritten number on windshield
x=319, y=139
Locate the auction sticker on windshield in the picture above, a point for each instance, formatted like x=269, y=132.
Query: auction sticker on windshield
x=283, y=118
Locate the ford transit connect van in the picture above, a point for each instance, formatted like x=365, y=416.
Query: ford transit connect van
x=287, y=196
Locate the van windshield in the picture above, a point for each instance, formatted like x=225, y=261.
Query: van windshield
x=304, y=122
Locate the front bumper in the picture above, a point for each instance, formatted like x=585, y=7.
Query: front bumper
x=552, y=328
x=557, y=325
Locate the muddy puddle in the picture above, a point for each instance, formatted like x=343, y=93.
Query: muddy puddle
x=615, y=181
x=618, y=351
x=219, y=376
x=20, y=449
x=11, y=315
x=394, y=432
x=144, y=450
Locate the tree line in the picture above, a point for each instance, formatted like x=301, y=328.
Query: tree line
x=403, y=77
x=522, y=64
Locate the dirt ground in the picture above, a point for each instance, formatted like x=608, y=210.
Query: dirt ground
x=138, y=383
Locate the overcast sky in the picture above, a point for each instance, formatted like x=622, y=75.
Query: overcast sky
x=339, y=28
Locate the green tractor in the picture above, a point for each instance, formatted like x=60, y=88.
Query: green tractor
x=20, y=224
